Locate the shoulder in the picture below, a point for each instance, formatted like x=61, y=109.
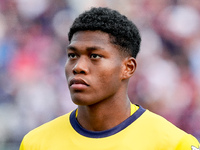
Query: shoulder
x=55, y=123
x=188, y=142
x=157, y=127
x=167, y=133
x=161, y=124
x=46, y=131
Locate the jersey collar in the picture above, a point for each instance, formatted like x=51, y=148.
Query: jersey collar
x=101, y=134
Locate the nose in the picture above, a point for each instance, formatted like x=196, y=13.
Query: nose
x=81, y=66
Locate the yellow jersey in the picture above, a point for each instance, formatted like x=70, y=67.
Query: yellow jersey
x=143, y=130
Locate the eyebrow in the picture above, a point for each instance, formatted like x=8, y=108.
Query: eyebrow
x=91, y=48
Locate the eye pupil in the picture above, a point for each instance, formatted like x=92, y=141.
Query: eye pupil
x=95, y=56
x=71, y=55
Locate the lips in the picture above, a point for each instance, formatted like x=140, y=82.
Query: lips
x=77, y=81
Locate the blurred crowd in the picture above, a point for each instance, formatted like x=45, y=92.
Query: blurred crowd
x=33, y=40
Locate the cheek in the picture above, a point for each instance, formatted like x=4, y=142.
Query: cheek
x=110, y=76
x=67, y=70
x=107, y=86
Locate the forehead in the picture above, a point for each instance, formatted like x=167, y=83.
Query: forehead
x=91, y=38
x=91, y=35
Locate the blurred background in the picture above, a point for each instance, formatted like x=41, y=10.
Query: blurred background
x=33, y=40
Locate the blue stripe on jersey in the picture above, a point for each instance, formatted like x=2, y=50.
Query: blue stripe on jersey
x=106, y=133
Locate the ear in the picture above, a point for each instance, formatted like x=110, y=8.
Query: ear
x=129, y=67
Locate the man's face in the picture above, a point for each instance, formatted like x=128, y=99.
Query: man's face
x=93, y=68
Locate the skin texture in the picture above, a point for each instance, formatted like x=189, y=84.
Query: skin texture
x=97, y=74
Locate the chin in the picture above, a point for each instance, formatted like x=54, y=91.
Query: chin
x=82, y=101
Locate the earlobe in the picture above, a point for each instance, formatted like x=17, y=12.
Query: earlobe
x=130, y=65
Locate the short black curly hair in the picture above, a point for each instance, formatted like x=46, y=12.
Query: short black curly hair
x=122, y=31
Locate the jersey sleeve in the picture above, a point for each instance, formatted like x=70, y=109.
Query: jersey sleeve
x=22, y=145
x=188, y=142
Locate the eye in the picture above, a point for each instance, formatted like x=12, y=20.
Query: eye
x=72, y=55
x=95, y=56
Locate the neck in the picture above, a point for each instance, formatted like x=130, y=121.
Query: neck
x=104, y=115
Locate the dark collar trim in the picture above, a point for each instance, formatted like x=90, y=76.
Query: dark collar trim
x=101, y=134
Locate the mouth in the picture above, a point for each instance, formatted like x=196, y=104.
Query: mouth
x=78, y=82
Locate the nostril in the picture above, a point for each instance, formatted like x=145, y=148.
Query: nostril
x=74, y=72
x=78, y=71
x=83, y=72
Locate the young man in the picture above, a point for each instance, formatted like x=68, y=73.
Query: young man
x=103, y=45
